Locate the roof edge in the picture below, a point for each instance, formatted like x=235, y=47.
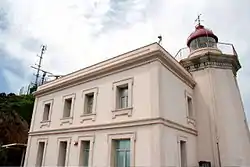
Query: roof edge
x=137, y=57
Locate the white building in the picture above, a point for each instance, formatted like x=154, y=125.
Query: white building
x=145, y=109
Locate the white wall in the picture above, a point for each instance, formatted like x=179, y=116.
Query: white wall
x=140, y=99
x=170, y=147
x=220, y=118
x=156, y=93
x=172, y=97
x=143, y=146
x=155, y=145
x=233, y=137
x=202, y=94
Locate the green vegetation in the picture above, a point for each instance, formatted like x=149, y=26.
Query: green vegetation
x=15, y=118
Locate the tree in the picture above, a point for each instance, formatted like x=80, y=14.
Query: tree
x=13, y=128
x=22, y=104
x=15, y=118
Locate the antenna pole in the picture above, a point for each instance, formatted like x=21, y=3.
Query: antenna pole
x=43, y=78
x=40, y=63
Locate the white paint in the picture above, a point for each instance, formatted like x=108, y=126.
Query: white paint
x=158, y=116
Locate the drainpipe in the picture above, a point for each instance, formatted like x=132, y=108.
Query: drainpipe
x=218, y=149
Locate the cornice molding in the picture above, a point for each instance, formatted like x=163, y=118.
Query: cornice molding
x=123, y=124
x=142, y=56
x=211, y=60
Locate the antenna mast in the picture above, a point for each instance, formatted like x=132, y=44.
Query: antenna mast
x=44, y=47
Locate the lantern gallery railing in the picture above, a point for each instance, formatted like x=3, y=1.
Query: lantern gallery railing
x=225, y=48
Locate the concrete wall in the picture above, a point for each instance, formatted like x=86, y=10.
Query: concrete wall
x=157, y=92
x=170, y=147
x=141, y=100
x=207, y=150
x=143, y=140
x=155, y=145
x=233, y=137
x=173, y=104
x=221, y=119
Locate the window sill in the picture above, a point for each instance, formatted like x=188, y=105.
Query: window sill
x=90, y=116
x=66, y=120
x=122, y=111
x=191, y=121
x=45, y=123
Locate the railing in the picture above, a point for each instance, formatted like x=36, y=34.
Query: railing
x=225, y=48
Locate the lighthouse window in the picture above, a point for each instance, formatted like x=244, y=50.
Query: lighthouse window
x=202, y=42
x=211, y=42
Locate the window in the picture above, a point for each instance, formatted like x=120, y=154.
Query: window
x=62, y=153
x=121, y=149
x=84, y=153
x=67, y=107
x=122, y=95
x=121, y=153
x=89, y=101
x=122, y=98
x=40, y=154
x=46, y=111
x=190, y=110
x=46, y=114
x=183, y=153
x=203, y=42
x=190, y=107
x=85, y=150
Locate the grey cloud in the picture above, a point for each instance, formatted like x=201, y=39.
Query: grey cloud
x=11, y=64
x=31, y=44
x=123, y=14
x=15, y=67
x=4, y=24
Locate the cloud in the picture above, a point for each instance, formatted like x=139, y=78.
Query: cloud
x=79, y=33
x=13, y=72
x=3, y=20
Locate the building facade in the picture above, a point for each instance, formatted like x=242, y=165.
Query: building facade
x=144, y=108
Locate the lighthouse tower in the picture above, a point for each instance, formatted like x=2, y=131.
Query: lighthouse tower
x=223, y=135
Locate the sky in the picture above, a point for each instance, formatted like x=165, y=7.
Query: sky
x=79, y=33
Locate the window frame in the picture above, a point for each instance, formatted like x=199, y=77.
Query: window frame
x=179, y=139
x=69, y=119
x=89, y=116
x=121, y=136
x=46, y=123
x=67, y=101
x=46, y=110
x=91, y=139
x=45, y=140
x=190, y=119
x=63, y=139
x=89, y=102
x=121, y=94
x=117, y=150
x=116, y=111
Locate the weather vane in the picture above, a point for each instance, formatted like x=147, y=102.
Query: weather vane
x=198, y=20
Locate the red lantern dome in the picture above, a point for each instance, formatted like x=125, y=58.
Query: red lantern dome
x=200, y=31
